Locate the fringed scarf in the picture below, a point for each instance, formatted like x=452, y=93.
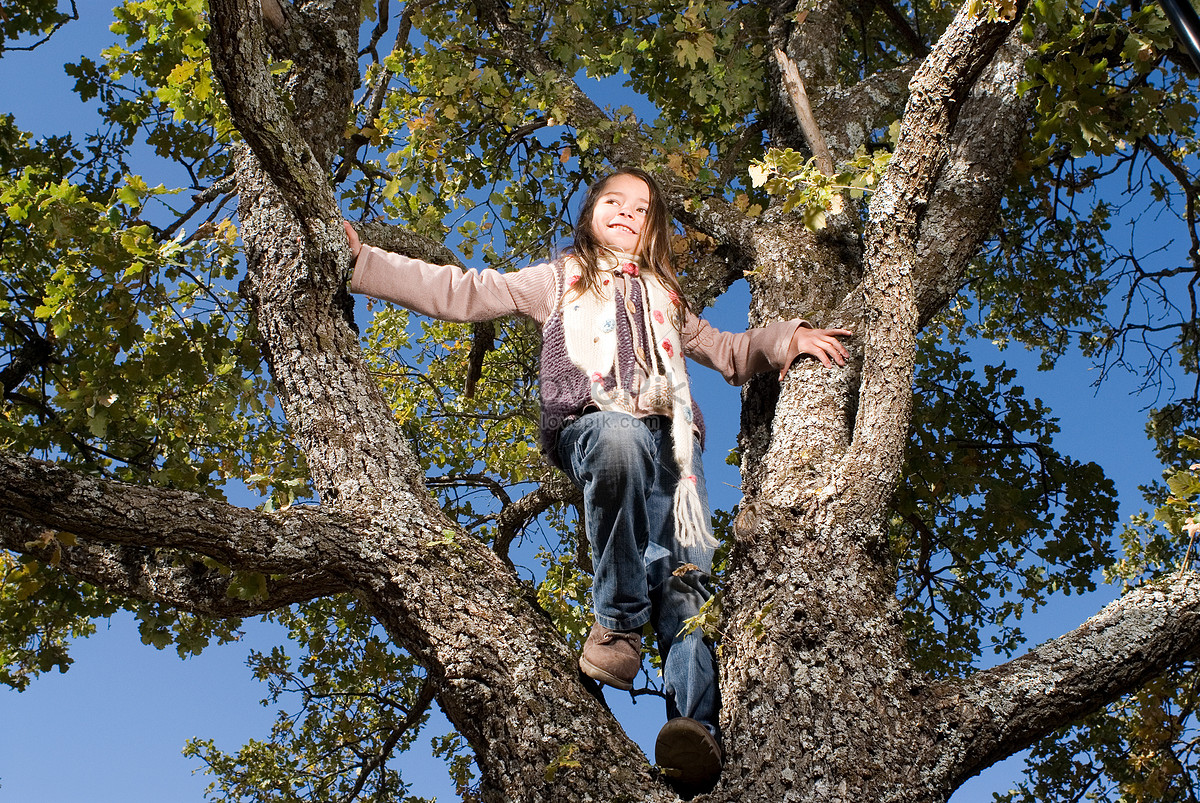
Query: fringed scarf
x=590, y=329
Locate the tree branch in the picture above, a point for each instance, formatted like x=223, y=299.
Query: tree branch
x=483, y=340
x=55, y=27
x=809, y=34
x=849, y=114
x=900, y=22
x=240, y=61
x=962, y=213
x=581, y=110
x=378, y=94
x=57, y=498
x=794, y=85
x=516, y=517
x=938, y=91
x=424, y=699
x=33, y=353
x=998, y=712
x=166, y=577
x=403, y=241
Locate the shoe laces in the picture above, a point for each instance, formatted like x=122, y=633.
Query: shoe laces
x=633, y=638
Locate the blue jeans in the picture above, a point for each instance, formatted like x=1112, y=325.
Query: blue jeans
x=626, y=468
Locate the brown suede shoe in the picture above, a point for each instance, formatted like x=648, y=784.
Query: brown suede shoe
x=688, y=755
x=612, y=656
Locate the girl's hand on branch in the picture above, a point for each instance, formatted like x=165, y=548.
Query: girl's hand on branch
x=820, y=343
x=352, y=235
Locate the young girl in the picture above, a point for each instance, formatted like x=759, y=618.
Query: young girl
x=618, y=417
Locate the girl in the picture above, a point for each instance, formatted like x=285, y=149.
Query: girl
x=618, y=417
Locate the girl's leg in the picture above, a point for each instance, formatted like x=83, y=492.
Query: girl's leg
x=688, y=747
x=689, y=662
x=612, y=458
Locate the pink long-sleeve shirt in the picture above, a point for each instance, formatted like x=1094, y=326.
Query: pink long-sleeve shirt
x=450, y=293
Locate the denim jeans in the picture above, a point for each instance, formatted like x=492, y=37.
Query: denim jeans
x=626, y=468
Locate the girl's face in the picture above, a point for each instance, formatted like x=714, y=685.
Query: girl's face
x=620, y=212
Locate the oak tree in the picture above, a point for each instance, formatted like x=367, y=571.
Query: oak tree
x=918, y=173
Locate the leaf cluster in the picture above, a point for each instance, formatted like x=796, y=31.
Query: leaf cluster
x=799, y=183
x=33, y=18
x=41, y=611
x=125, y=347
x=356, y=704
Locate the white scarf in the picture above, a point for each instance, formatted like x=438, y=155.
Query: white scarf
x=590, y=329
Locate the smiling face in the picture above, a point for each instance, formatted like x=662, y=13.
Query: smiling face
x=620, y=213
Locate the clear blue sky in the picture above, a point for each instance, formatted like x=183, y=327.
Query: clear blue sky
x=112, y=728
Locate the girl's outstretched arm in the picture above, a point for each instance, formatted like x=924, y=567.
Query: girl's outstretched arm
x=448, y=292
x=740, y=355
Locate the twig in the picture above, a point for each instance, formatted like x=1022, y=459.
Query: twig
x=808, y=123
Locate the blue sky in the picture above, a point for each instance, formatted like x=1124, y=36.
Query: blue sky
x=112, y=728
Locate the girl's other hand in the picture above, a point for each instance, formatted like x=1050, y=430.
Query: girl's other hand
x=352, y=235
x=820, y=343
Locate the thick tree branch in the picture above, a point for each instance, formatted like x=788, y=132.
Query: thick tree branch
x=166, y=577
x=848, y=115
x=449, y=601
x=819, y=461
x=440, y=594
x=998, y=712
x=396, y=238
x=58, y=498
x=240, y=61
x=962, y=213
x=938, y=91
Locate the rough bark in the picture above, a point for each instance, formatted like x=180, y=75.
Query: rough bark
x=457, y=607
x=966, y=202
x=821, y=702
x=849, y=114
x=811, y=594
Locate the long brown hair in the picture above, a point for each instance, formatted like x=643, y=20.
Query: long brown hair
x=654, y=245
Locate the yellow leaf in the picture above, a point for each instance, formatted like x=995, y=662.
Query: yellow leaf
x=182, y=73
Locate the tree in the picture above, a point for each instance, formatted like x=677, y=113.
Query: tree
x=882, y=526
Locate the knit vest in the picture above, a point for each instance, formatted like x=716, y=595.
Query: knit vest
x=599, y=349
